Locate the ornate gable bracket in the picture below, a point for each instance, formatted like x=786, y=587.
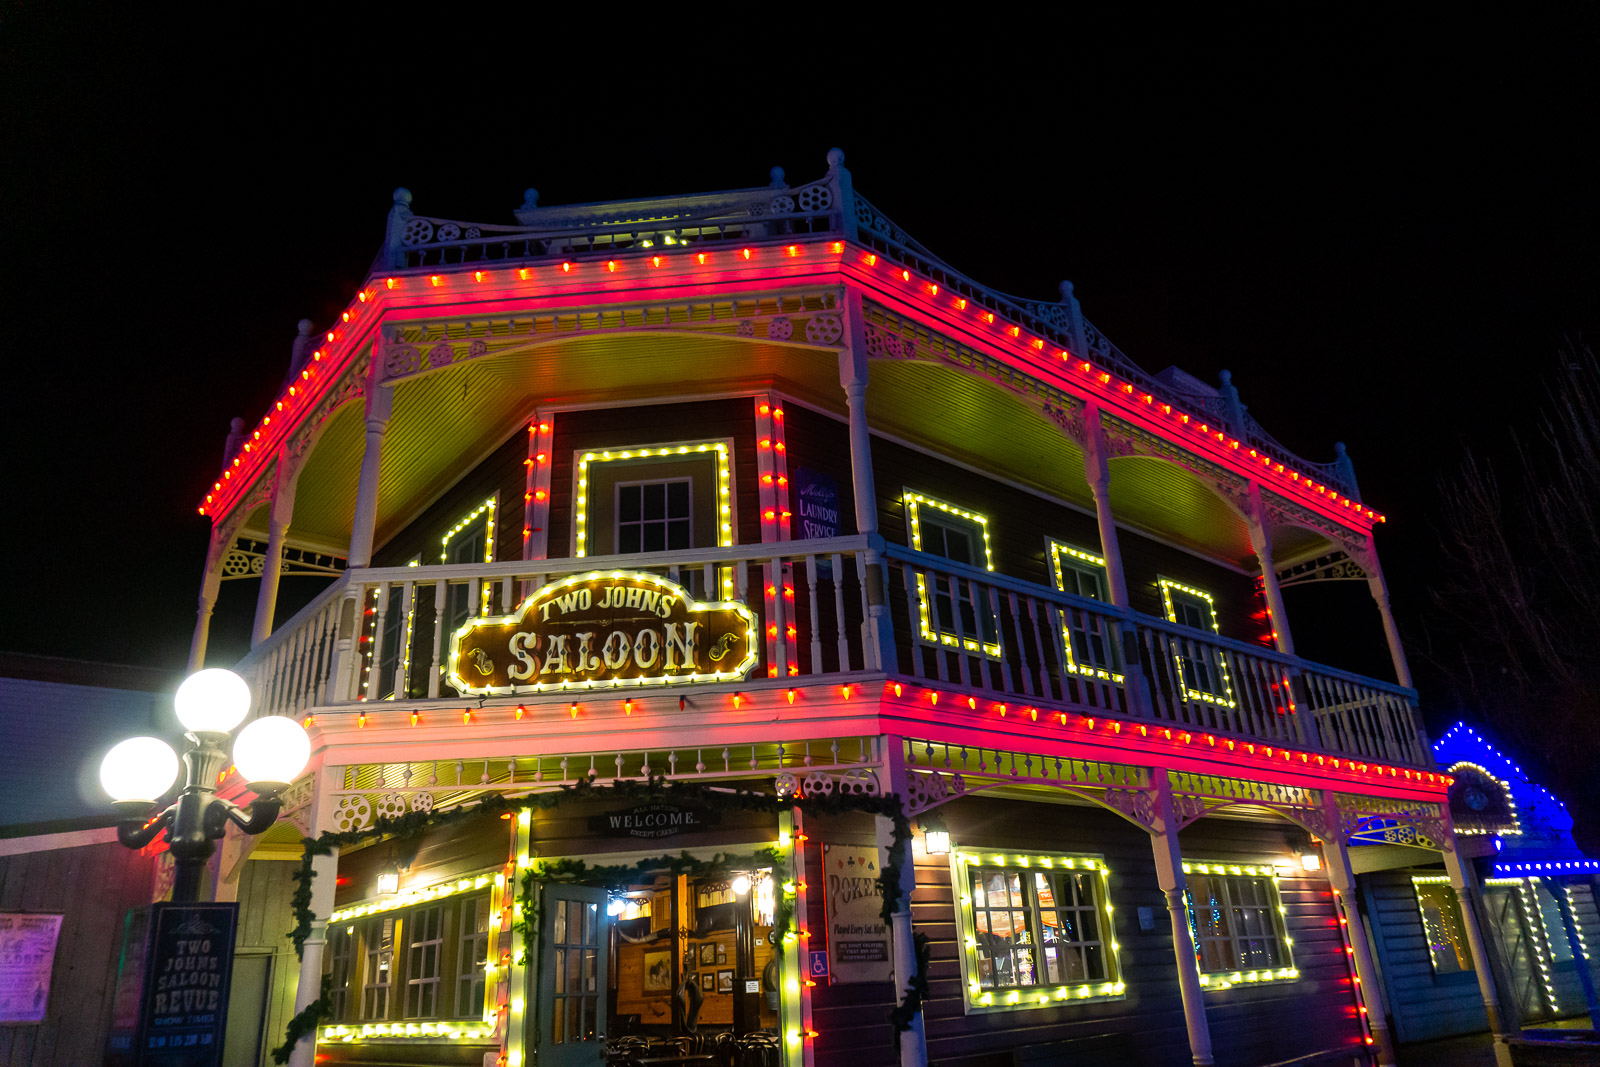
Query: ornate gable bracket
x=1336, y=566
x=1071, y=421
x=1381, y=821
x=926, y=790
x=1281, y=511
x=352, y=384
x=1138, y=806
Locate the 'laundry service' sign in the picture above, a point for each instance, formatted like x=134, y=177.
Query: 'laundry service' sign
x=604, y=627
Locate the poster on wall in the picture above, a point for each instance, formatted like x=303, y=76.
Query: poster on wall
x=858, y=939
x=816, y=504
x=27, y=955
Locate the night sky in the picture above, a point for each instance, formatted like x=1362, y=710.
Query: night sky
x=1384, y=229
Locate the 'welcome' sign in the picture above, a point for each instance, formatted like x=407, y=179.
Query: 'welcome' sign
x=605, y=626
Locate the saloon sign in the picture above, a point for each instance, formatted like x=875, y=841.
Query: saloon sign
x=600, y=628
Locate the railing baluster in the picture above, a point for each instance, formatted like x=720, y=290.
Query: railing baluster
x=1045, y=689
x=914, y=623
x=815, y=625
x=402, y=663
x=780, y=644
x=375, y=650
x=837, y=576
x=441, y=590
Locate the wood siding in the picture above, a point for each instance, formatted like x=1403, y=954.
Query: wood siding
x=265, y=919
x=1421, y=1004
x=1249, y=1024
x=92, y=887
x=503, y=473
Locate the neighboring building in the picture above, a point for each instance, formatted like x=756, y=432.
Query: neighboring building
x=1537, y=894
x=749, y=490
x=59, y=854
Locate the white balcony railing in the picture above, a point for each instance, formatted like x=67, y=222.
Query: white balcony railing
x=993, y=636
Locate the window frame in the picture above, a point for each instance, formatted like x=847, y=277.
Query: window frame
x=1420, y=883
x=665, y=522
x=978, y=643
x=1225, y=697
x=1275, y=910
x=964, y=860
x=470, y=971
x=1065, y=557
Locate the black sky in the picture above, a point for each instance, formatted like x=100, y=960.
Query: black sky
x=1382, y=224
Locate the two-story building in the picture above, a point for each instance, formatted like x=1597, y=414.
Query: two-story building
x=866, y=566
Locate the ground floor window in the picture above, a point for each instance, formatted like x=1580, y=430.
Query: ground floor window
x=1443, y=925
x=1236, y=920
x=1037, y=928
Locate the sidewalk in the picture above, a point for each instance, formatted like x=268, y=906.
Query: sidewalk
x=1474, y=1050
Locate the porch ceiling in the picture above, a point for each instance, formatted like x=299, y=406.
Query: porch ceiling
x=1169, y=502
x=449, y=418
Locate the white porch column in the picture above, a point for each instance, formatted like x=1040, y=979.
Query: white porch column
x=1380, y=595
x=1099, y=474
x=1465, y=884
x=1262, y=547
x=380, y=405
x=210, y=585
x=1336, y=860
x=914, y=1042
x=878, y=631
x=326, y=873
x=272, y=567
x=1169, y=875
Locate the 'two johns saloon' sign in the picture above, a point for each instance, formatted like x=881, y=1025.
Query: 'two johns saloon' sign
x=602, y=627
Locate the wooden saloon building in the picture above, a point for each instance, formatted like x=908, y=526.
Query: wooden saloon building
x=839, y=561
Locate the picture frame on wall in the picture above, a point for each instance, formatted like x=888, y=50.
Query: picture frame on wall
x=658, y=971
x=725, y=981
x=708, y=981
x=708, y=954
x=722, y=953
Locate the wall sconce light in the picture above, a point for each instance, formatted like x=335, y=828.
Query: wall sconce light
x=741, y=885
x=935, y=835
x=1310, y=861
x=389, y=880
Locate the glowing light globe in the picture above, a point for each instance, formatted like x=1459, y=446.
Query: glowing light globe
x=272, y=749
x=212, y=701
x=139, y=769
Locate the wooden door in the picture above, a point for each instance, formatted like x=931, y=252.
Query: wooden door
x=572, y=999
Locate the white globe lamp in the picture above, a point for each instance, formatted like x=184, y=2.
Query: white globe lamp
x=212, y=701
x=139, y=770
x=271, y=751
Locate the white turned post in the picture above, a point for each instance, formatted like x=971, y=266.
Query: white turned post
x=325, y=871
x=1490, y=979
x=210, y=586
x=1380, y=595
x=272, y=567
x=1336, y=861
x=1170, y=877
x=363, y=526
x=1262, y=545
x=1098, y=473
x=902, y=938
x=878, y=629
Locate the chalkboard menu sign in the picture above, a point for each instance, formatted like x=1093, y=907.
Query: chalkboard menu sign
x=183, y=1011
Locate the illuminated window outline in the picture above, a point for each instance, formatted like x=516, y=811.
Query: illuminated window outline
x=913, y=501
x=1085, y=563
x=723, y=447
x=1225, y=698
x=502, y=894
x=977, y=999
x=490, y=506
x=1418, y=882
x=403, y=654
x=1229, y=979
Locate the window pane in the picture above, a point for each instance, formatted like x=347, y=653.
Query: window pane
x=628, y=503
x=655, y=501
x=678, y=500
x=655, y=537
x=678, y=534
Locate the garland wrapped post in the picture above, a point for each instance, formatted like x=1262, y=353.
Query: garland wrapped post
x=305, y=1022
x=577, y=872
x=902, y=1015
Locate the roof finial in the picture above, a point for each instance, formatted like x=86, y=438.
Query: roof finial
x=530, y=199
x=776, y=174
x=300, y=350
x=235, y=439
x=402, y=196
x=1232, y=408
x=1066, y=291
x=835, y=158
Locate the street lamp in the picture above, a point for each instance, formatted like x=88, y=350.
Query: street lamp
x=269, y=753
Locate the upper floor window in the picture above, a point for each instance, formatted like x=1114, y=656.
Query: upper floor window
x=655, y=516
x=661, y=498
x=470, y=540
x=1201, y=665
x=957, y=613
x=1037, y=928
x=1088, y=637
x=1236, y=919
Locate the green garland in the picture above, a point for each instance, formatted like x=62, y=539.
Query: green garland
x=910, y=1006
x=413, y=823
x=305, y=1022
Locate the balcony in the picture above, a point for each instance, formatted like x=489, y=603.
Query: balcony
x=974, y=631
